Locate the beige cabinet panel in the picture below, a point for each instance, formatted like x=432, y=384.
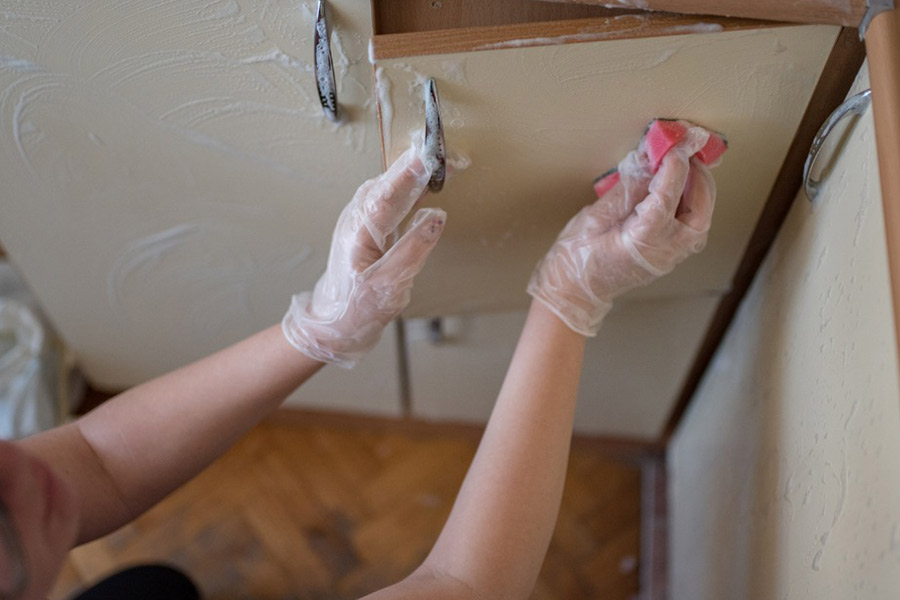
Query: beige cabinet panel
x=632, y=374
x=540, y=123
x=457, y=380
x=372, y=387
x=169, y=179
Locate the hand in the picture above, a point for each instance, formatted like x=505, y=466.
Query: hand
x=639, y=230
x=368, y=279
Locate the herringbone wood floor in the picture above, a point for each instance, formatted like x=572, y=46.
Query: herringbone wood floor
x=325, y=510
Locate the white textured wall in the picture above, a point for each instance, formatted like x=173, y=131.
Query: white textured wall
x=785, y=476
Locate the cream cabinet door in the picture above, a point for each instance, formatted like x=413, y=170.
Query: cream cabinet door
x=633, y=370
x=539, y=123
x=169, y=178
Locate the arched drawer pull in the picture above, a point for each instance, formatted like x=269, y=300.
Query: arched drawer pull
x=434, y=136
x=324, y=66
x=856, y=105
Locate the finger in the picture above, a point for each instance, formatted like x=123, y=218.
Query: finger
x=407, y=257
x=386, y=200
x=698, y=200
x=614, y=206
x=668, y=183
x=636, y=175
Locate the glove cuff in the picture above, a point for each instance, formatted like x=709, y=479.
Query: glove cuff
x=581, y=316
x=321, y=341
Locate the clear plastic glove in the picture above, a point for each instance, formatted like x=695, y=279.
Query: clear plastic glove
x=639, y=230
x=368, y=279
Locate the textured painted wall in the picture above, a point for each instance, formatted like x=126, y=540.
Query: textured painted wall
x=168, y=176
x=785, y=475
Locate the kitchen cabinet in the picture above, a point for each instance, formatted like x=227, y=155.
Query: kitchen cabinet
x=169, y=177
x=539, y=118
x=540, y=123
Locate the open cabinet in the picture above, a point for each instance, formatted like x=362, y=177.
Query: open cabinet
x=539, y=118
x=170, y=179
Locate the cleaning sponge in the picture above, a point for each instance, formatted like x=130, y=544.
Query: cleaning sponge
x=662, y=135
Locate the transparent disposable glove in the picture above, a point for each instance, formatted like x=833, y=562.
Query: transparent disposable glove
x=637, y=231
x=368, y=279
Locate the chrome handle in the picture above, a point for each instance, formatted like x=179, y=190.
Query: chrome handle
x=325, y=66
x=856, y=105
x=434, y=136
x=873, y=9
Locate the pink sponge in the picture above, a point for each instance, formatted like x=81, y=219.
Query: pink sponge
x=605, y=182
x=661, y=136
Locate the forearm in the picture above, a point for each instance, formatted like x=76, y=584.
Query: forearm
x=129, y=453
x=501, y=524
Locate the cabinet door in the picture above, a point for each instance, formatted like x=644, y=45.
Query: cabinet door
x=633, y=370
x=540, y=121
x=169, y=178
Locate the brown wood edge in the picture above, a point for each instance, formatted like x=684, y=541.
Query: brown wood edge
x=654, y=571
x=625, y=449
x=840, y=70
x=883, y=47
x=823, y=12
x=496, y=37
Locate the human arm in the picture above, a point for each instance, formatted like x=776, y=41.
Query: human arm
x=126, y=455
x=495, y=539
x=497, y=535
x=136, y=448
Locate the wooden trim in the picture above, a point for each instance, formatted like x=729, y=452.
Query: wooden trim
x=848, y=13
x=654, y=531
x=410, y=16
x=883, y=49
x=837, y=76
x=522, y=35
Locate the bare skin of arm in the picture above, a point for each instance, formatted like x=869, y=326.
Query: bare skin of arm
x=495, y=540
x=129, y=453
x=497, y=535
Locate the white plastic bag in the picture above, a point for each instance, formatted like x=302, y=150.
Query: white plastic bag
x=27, y=377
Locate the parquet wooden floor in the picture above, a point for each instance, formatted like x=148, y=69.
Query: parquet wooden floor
x=324, y=510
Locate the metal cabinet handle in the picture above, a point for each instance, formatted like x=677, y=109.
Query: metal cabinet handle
x=434, y=136
x=324, y=66
x=856, y=105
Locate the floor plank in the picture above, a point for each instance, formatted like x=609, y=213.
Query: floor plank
x=316, y=511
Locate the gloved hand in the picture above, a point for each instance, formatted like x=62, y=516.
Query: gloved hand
x=637, y=231
x=368, y=279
